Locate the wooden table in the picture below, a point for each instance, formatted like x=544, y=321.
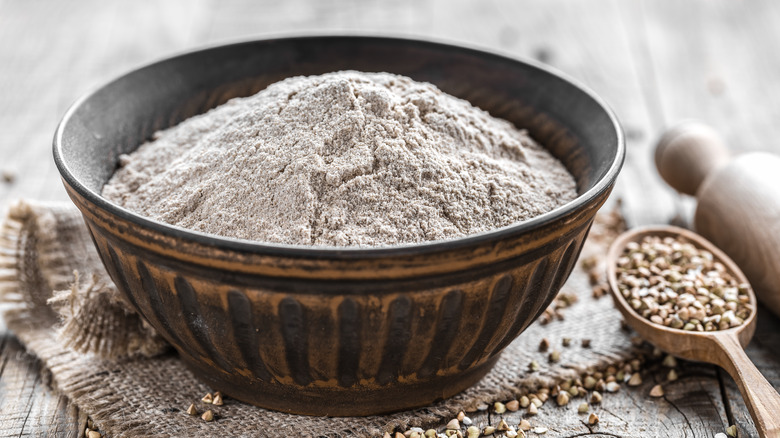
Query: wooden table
x=655, y=62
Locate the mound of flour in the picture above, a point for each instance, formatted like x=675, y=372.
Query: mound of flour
x=342, y=159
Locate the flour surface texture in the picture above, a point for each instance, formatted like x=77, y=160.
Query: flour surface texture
x=342, y=159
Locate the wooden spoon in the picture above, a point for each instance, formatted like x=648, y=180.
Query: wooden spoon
x=723, y=348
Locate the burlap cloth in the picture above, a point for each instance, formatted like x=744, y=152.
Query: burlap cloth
x=98, y=352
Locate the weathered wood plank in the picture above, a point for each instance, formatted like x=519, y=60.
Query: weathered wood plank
x=29, y=407
x=690, y=408
x=716, y=61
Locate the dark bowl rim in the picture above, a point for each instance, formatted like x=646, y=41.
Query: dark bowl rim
x=333, y=252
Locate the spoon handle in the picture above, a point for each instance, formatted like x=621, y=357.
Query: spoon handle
x=761, y=398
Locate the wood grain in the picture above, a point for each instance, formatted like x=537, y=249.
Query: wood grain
x=655, y=62
x=29, y=407
x=690, y=407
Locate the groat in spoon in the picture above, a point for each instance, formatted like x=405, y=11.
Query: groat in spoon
x=721, y=347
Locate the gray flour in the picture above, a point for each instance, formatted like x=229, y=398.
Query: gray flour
x=342, y=159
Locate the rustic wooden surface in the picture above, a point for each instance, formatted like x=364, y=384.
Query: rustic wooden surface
x=656, y=62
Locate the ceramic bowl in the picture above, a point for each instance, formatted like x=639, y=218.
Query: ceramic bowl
x=338, y=331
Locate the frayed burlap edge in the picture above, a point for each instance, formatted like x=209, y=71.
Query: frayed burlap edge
x=44, y=250
x=96, y=321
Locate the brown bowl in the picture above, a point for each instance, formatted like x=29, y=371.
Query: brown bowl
x=334, y=331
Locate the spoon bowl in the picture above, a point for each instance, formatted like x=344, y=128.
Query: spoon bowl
x=721, y=347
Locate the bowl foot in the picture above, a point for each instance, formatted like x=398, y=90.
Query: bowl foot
x=337, y=401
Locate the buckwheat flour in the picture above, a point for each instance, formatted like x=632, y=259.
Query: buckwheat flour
x=342, y=159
